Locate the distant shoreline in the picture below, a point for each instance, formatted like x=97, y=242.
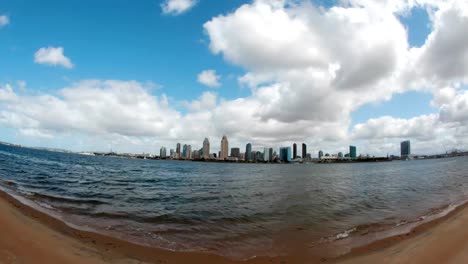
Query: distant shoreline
x=313, y=161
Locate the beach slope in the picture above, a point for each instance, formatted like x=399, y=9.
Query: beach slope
x=28, y=236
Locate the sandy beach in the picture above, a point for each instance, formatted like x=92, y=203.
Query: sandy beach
x=29, y=236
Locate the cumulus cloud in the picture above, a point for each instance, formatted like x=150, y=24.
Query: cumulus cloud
x=4, y=20
x=52, y=56
x=177, y=7
x=92, y=107
x=456, y=110
x=308, y=68
x=209, y=78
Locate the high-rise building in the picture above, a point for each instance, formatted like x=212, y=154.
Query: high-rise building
x=270, y=153
x=162, y=153
x=285, y=154
x=178, y=149
x=294, y=150
x=206, y=149
x=184, y=152
x=189, y=152
x=352, y=152
x=254, y=157
x=224, y=153
x=196, y=154
x=304, y=150
x=172, y=153
x=266, y=154
x=405, y=149
x=258, y=156
x=320, y=154
x=340, y=155
x=248, y=152
x=235, y=152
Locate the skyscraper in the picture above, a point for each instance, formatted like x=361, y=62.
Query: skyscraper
x=162, y=153
x=224, y=153
x=266, y=154
x=352, y=152
x=304, y=150
x=184, y=152
x=270, y=153
x=405, y=149
x=294, y=151
x=178, y=151
x=248, y=152
x=206, y=149
x=320, y=154
x=235, y=152
x=285, y=154
x=189, y=152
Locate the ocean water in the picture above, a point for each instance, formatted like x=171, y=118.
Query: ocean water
x=235, y=210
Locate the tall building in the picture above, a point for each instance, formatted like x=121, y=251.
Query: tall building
x=184, y=152
x=189, y=152
x=224, y=153
x=266, y=154
x=258, y=156
x=172, y=153
x=206, y=149
x=352, y=152
x=177, y=154
x=405, y=149
x=254, y=156
x=294, y=150
x=320, y=154
x=162, y=153
x=304, y=150
x=270, y=153
x=235, y=152
x=340, y=155
x=248, y=152
x=285, y=154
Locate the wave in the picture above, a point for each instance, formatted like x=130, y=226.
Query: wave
x=63, y=199
x=160, y=219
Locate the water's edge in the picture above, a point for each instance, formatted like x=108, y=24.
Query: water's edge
x=353, y=244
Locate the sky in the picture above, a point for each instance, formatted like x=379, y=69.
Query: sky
x=133, y=76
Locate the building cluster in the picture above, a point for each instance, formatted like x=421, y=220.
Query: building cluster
x=225, y=153
x=285, y=154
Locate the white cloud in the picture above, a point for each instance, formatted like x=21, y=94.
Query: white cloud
x=209, y=78
x=92, y=107
x=52, y=56
x=456, y=110
x=300, y=69
x=308, y=68
x=7, y=93
x=177, y=7
x=4, y=20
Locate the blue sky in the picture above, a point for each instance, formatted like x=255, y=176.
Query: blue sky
x=124, y=40
x=113, y=40
x=127, y=41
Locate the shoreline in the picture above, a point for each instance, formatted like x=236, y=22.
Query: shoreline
x=99, y=248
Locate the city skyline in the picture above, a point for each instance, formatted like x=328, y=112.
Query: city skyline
x=285, y=153
x=68, y=80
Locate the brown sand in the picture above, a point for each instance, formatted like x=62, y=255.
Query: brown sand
x=29, y=236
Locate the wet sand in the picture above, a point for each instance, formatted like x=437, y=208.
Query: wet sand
x=29, y=236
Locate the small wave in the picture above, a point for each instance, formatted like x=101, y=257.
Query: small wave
x=160, y=219
x=345, y=234
x=65, y=199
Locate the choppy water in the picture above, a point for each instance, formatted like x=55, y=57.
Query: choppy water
x=236, y=210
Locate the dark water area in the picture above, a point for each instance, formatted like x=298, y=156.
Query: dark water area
x=234, y=210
